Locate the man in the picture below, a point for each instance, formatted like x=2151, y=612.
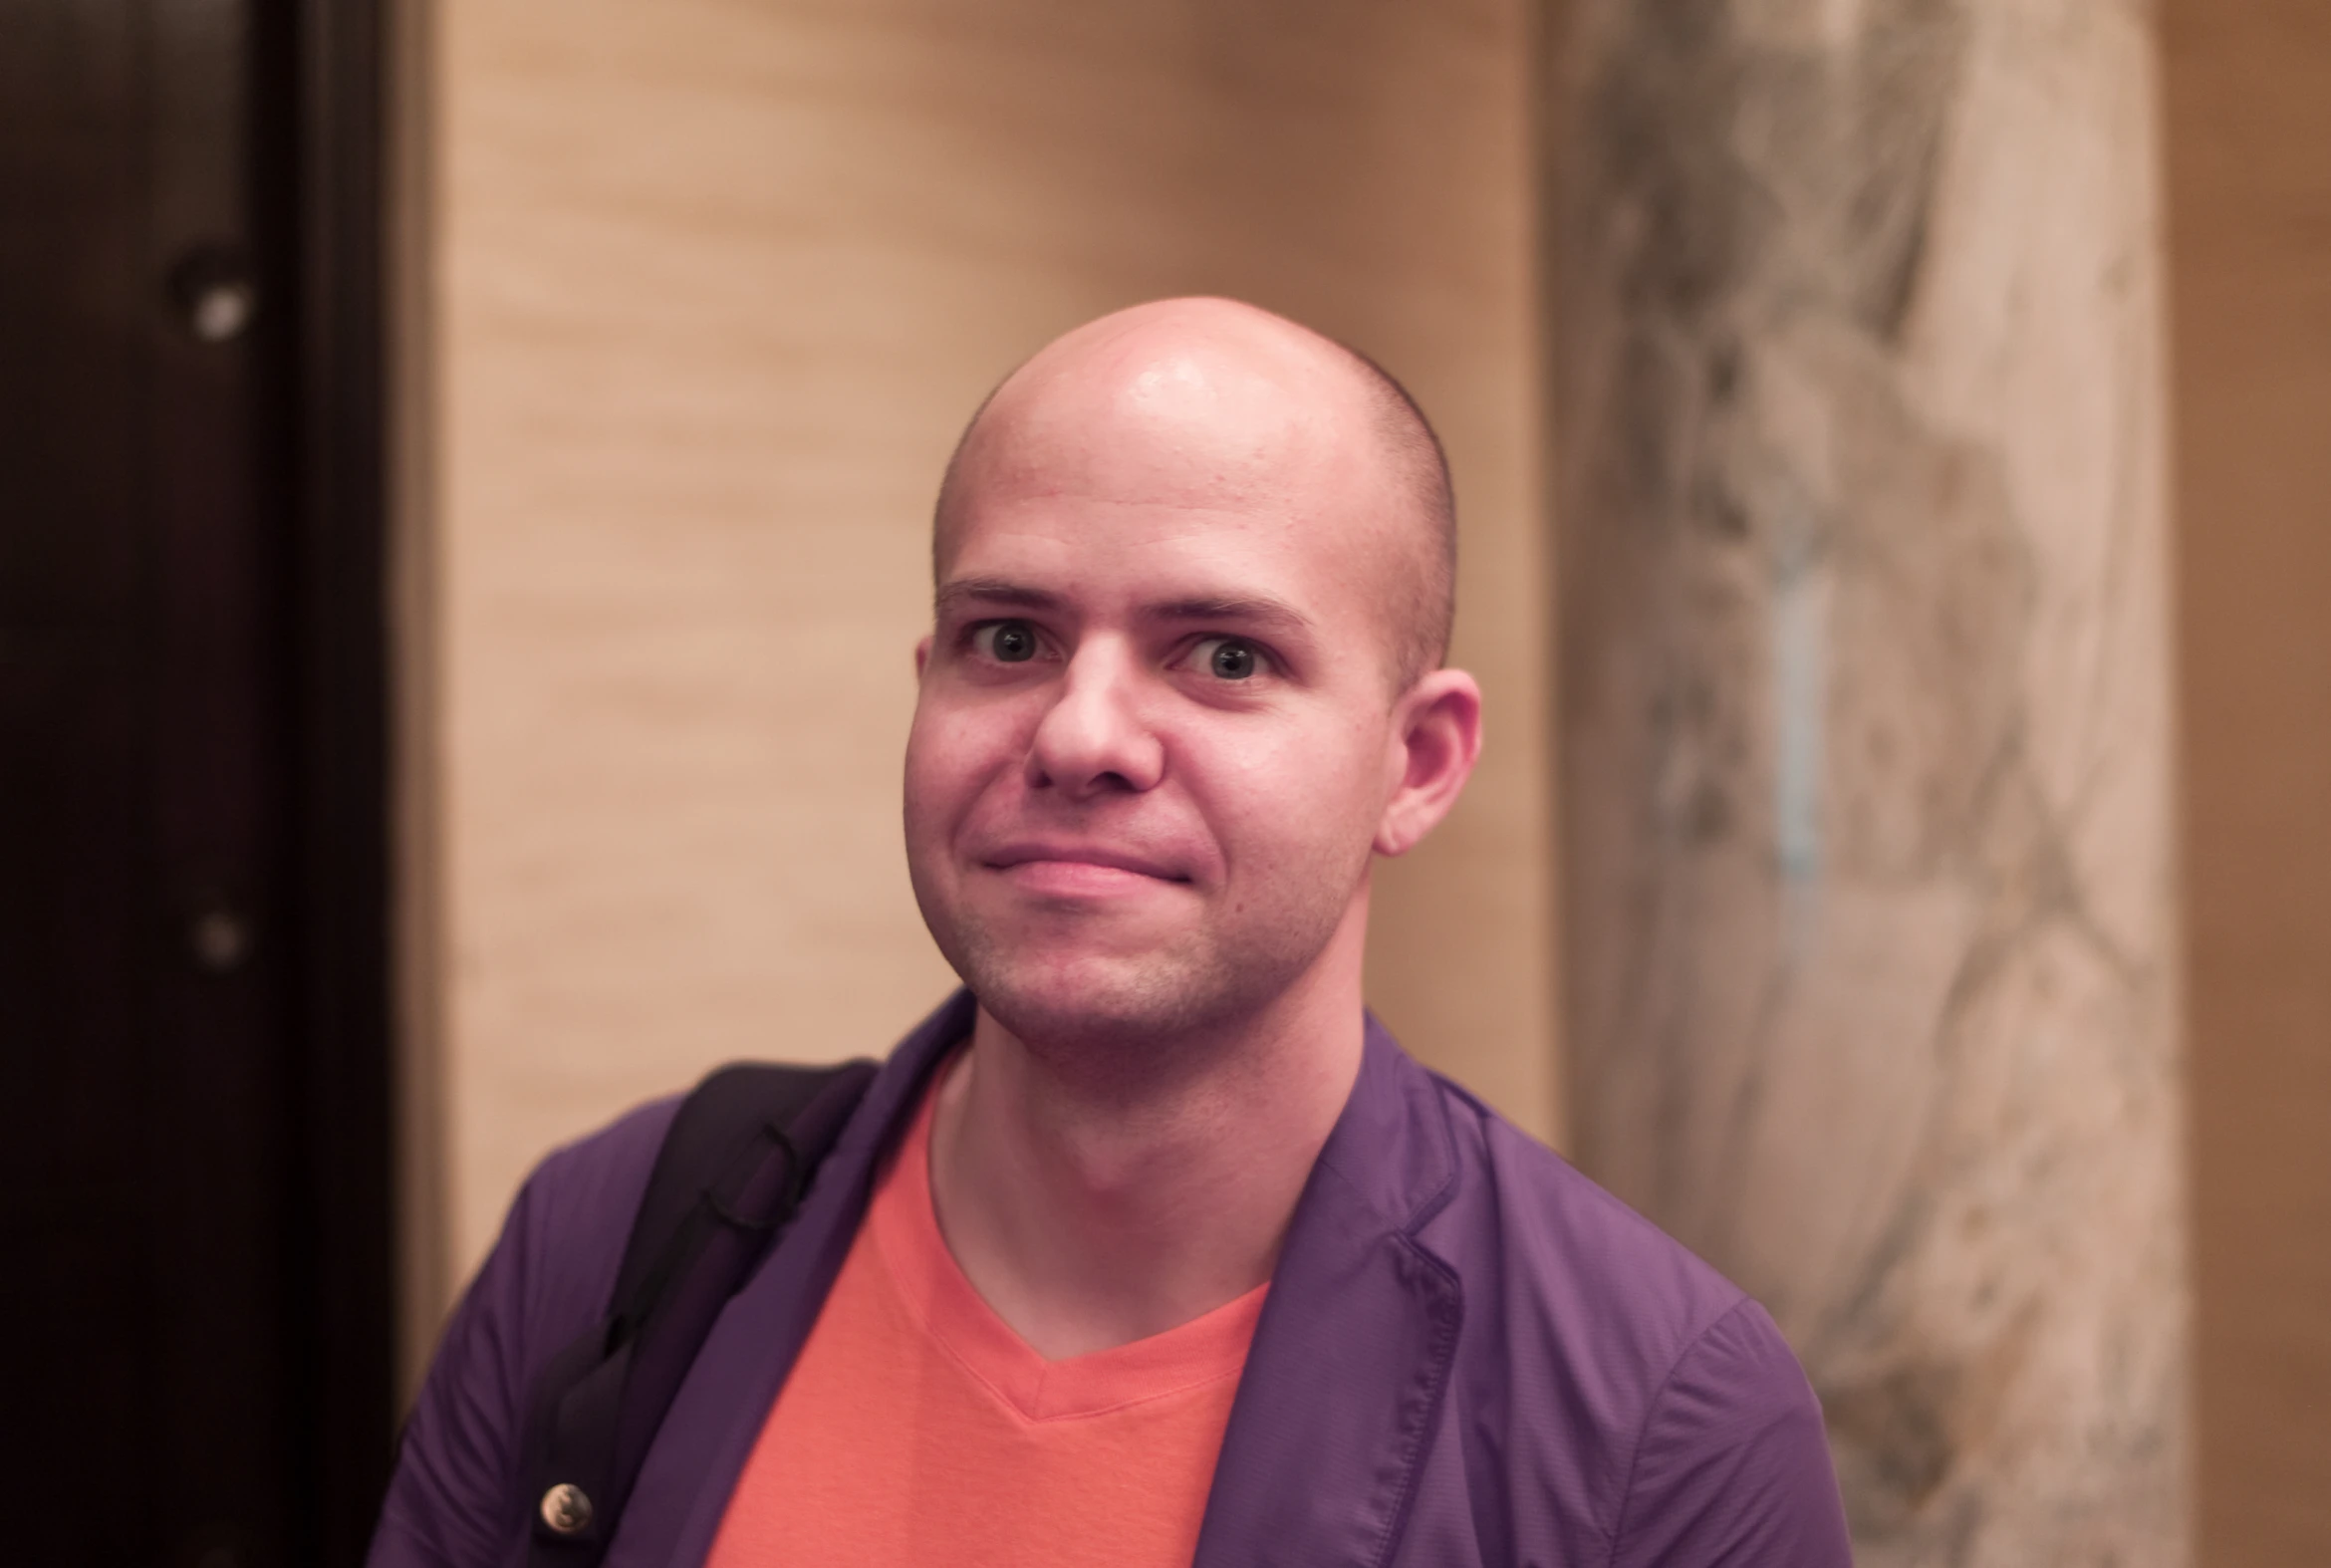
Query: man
x=1151, y=1244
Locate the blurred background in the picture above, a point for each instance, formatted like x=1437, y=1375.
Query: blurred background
x=464, y=485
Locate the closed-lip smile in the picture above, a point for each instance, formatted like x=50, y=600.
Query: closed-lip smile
x=1095, y=856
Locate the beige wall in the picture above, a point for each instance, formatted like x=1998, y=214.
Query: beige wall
x=703, y=292
x=2248, y=100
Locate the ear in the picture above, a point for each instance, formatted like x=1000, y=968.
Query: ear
x=1436, y=727
x=921, y=654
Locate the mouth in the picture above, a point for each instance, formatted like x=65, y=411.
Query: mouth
x=1073, y=869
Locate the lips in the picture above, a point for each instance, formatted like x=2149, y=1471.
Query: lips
x=1100, y=865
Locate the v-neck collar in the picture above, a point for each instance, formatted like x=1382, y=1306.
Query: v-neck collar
x=904, y=1226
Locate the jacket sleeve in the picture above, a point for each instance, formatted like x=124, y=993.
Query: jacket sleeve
x=454, y=1501
x=451, y=1503
x=1732, y=1467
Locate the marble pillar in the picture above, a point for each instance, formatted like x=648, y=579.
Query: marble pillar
x=1870, y=969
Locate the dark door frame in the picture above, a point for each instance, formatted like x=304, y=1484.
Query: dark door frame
x=332, y=67
x=195, y=780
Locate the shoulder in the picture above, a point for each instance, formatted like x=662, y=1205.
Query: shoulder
x=553, y=1266
x=565, y=1233
x=1609, y=1359
x=1562, y=1255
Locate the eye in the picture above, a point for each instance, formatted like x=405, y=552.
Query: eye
x=1006, y=641
x=1228, y=657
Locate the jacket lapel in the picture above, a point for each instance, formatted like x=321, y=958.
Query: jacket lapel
x=1351, y=1358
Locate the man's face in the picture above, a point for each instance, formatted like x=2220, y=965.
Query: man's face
x=1154, y=736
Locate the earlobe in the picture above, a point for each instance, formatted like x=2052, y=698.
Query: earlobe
x=1439, y=733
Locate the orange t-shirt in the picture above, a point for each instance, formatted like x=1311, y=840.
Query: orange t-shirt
x=917, y=1429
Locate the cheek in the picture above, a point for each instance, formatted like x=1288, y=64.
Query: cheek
x=1299, y=799
x=933, y=776
x=951, y=756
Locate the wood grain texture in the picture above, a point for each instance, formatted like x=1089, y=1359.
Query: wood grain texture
x=714, y=285
x=2248, y=92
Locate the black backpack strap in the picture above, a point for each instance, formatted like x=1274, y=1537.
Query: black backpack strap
x=734, y=1166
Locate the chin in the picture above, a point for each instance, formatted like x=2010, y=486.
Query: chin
x=1120, y=1012
x=1111, y=1003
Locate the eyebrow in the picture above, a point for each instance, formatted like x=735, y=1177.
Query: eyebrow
x=991, y=590
x=1264, y=614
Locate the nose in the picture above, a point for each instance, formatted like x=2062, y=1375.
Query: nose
x=1094, y=740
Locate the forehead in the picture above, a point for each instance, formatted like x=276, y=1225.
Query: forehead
x=1097, y=558
x=1169, y=453
x=1107, y=528
x=1175, y=430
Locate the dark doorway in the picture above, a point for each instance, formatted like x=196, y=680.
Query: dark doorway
x=195, y=1165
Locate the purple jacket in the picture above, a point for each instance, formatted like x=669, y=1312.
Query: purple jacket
x=1471, y=1354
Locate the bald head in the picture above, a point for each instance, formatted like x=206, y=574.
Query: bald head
x=1238, y=402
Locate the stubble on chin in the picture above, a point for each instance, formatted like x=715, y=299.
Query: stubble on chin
x=1115, y=1022
x=1060, y=1001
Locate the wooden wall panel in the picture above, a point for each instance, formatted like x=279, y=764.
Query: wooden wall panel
x=710, y=286
x=2248, y=97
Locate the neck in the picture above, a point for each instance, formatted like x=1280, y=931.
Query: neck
x=1088, y=1216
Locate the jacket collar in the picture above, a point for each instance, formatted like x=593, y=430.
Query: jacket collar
x=1352, y=1357
x=1341, y=1385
